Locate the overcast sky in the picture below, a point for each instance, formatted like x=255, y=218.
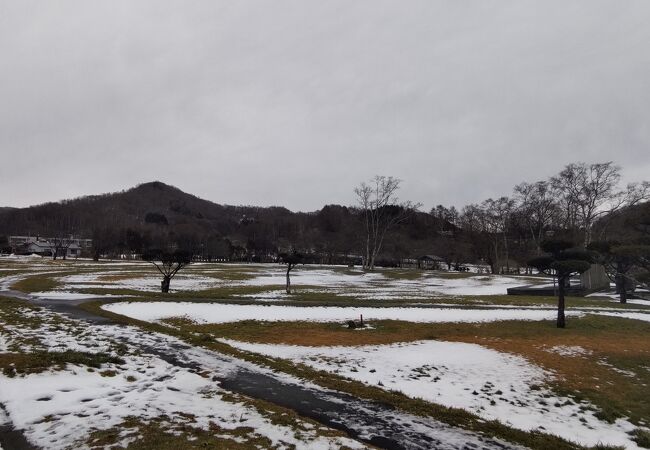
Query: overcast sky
x=294, y=103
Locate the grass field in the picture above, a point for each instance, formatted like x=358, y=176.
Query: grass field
x=599, y=361
x=614, y=375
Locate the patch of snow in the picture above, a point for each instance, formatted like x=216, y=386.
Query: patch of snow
x=628, y=315
x=22, y=257
x=638, y=301
x=223, y=313
x=569, y=350
x=378, y=286
x=66, y=295
x=627, y=373
x=491, y=384
x=268, y=296
x=616, y=298
x=4, y=344
x=140, y=283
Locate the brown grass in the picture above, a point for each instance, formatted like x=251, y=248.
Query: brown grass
x=614, y=345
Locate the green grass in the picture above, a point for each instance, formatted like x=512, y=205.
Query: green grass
x=37, y=283
x=13, y=364
x=642, y=438
x=533, y=300
x=228, y=273
x=164, y=433
x=402, y=274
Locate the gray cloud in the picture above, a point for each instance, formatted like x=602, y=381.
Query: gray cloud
x=295, y=102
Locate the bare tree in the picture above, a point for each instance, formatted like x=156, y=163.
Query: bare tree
x=60, y=247
x=447, y=218
x=381, y=211
x=623, y=263
x=590, y=191
x=489, y=222
x=538, y=207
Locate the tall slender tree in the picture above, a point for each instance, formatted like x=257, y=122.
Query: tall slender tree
x=381, y=210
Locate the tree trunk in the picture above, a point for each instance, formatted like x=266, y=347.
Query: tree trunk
x=288, y=279
x=505, y=248
x=494, y=267
x=164, y=284
x=366, y=261
x=620, y=287
x=561, y=322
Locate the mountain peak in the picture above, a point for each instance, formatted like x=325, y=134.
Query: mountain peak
x=158, y=185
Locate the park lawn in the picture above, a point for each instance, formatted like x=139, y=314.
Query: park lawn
x=612, y=373
x=235, y=288
x=453, y=416
x=36, y=283
x=126, y=275
x=26, y=354
x=31, y=358
x=548, y=301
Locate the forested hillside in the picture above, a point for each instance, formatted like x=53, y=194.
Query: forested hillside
x=128, y=221
x=583, y=203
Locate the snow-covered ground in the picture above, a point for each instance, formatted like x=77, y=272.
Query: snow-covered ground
x=628, y=315
x=59, y=409
x=379, y=286
x=491, y=384
x=66, y=295
x=75, y=402
x=223, y=313
x=385, y=284
x=184, y=282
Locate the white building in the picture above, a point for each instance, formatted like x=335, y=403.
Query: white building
x=64, y=247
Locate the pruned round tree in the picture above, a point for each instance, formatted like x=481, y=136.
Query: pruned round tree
x=625, y=264
x=168, y=263
x=562, y=260
x=291, y=259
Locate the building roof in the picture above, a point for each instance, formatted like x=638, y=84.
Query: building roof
x=430, y=258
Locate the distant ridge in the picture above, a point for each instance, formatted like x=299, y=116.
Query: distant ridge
x=136, y=217
x=127, y=208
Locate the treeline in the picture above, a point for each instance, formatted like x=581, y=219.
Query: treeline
x=583, y=202
x=580, y=203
